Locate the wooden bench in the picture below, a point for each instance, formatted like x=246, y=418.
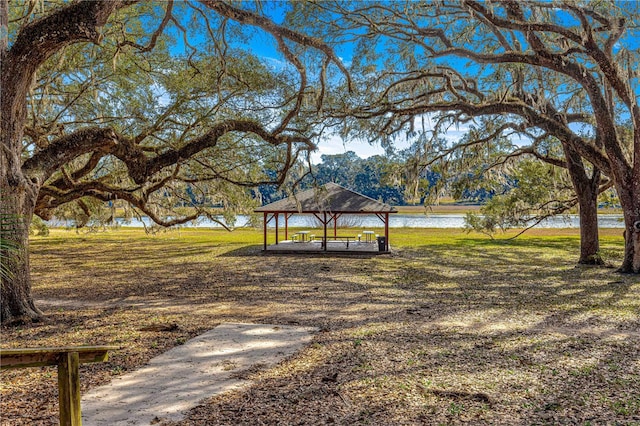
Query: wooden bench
x=67, y=359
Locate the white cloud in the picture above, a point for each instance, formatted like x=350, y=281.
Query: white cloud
x=345, y=63
x=275, y=63
x=336, y=145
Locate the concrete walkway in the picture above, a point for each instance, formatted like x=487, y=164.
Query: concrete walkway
x=179, y=379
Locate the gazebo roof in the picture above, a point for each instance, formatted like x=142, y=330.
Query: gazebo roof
x=330, y=197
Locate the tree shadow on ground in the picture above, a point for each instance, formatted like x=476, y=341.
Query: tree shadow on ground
x=414, y=337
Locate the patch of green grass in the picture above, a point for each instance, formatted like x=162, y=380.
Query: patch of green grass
x=455, y=409
x=628, y=407
x=585, y=371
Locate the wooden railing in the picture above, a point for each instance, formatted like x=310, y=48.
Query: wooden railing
x=68, y=360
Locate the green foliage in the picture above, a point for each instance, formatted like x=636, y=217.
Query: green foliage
x=485, y=224
x=86, y=211
x=38, y=227
x=538, y=191
x=626, y=407
x=375, y=177
x=9, y=248
x=164, y=90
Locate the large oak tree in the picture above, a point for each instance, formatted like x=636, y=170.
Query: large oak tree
x=561, y=69
x=98, y=104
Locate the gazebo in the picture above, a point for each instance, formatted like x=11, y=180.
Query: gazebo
x=327, y=203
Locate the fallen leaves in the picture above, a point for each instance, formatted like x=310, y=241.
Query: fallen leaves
x=160, y=327
x=449, y=333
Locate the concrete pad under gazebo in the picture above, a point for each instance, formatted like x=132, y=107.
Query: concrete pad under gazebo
x=327, y=203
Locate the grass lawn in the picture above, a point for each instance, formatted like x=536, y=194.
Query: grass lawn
x=450, y=328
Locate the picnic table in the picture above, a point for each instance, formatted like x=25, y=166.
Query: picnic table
x=368, y=236
x=301, y=236
x=345, y=238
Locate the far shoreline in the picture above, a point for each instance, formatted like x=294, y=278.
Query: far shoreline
x=465, y=208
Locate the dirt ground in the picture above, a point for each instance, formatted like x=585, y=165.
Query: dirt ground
x=466, y=331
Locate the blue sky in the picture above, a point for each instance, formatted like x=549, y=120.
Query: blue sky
x=264, y=46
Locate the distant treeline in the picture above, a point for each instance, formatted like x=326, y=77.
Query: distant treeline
x=379, y=177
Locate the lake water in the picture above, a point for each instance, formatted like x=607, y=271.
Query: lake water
x=395, y=221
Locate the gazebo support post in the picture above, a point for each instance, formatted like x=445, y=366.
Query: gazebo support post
x=264, y=231
x=286, y=226
x=385, y=219
x=324, y=225
x=386, y=232
x=335, y=225
x=264, y=226
x=276, y=216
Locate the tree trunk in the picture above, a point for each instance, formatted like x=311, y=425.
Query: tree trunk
x=627, y=183
x=589, y=237
x=18, y=194
x=586, y=189
x=78, y=22
x=631, y=212
x=16, y=299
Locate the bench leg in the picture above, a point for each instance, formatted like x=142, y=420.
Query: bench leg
x=69, y=389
